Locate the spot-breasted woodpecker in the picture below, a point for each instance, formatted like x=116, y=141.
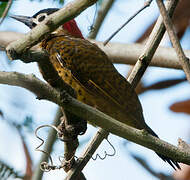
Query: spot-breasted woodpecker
x=87, y=69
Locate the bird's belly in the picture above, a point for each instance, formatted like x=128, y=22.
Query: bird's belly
x=98, y=101
x=82, y=94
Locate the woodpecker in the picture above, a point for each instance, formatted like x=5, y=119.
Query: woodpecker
x=87, y=69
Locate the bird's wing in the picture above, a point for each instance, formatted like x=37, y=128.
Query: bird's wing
x=111, y=82
x=97, y=74
x=93, y=70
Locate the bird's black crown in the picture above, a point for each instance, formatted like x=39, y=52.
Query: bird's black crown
x=48, y=11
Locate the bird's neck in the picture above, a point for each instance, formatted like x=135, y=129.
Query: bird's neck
x=69, y=28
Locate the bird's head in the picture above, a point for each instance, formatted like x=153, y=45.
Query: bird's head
x=70, y=26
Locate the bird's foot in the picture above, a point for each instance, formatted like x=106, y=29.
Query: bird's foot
x=68, y=132
x=65, y=97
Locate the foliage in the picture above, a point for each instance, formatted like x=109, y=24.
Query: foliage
x=7, y=171
x=2, y=7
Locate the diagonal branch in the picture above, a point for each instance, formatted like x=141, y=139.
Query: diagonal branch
x=184, y=61
x=102, y=13
x=146, y=4
x=68, y=12
x=44, y=91
x=87, y=154
x=150, y=47
x=52, y=136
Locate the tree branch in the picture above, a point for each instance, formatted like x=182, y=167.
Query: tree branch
x=68, y=12
x=87, y=154
x=117, y=52
x=102, y=13
x=44, y=91
x=174, y=39
x=52, y=136
x=150, y=47
x=146, y=4
x=76, y=108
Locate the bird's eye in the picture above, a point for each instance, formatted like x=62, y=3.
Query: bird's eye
x=41, y=18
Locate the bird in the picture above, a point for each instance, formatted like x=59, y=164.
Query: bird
x=83, y=66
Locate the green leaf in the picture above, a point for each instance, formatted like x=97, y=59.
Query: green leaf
x=3, y=5
x=61, y=1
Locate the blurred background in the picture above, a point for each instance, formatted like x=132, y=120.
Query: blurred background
x=164, y=94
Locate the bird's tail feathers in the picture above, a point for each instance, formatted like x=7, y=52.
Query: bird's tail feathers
x=172, y=163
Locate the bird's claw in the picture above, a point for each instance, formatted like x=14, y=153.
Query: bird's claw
x=65, y=97
x=69, y=132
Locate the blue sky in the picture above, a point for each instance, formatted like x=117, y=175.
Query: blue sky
x=169, y=126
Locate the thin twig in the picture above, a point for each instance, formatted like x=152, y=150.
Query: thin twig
x=146, y=4
x=150, y=170
x=87, y=154
x=70, y=144
x=6, y=11
x=150, y=47
x=38, y=173
x=174, y=39
x=102, y=12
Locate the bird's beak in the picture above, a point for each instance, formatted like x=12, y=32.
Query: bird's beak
x=24, y=19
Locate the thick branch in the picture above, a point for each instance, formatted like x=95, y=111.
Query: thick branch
x=129, y=53
x=150, y=47
x=184, y=61
x=43, y=90
x=117, y=52
x=68, y=12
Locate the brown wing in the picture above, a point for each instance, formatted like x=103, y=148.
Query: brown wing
x=94, y=72
x=96, y=69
